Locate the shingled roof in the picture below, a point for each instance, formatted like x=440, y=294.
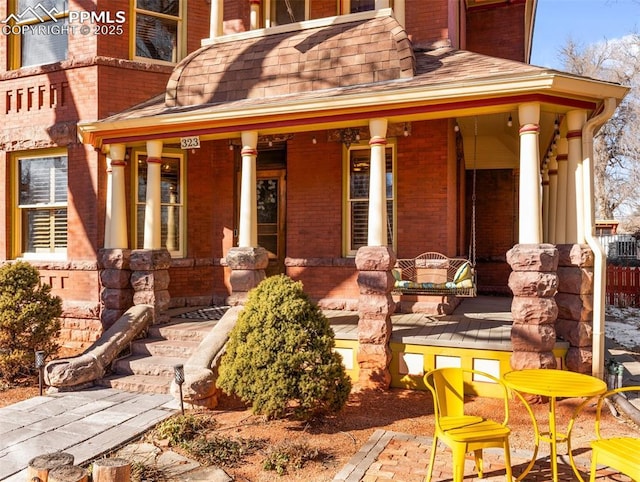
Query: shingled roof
x=340, y=54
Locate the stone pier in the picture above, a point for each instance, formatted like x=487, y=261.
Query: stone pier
x=116, y=295
x=150, y=280
x=534, y=283
x=375, y=308
x=575, y=304
x=247, y=270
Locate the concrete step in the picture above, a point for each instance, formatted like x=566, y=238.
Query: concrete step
x=181, y=330
x=138, y=383
x=162, y=347
x=146, y=365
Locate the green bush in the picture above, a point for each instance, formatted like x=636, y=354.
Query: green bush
x=280, y=354
x=28, y=319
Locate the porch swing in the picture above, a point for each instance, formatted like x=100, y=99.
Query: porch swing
x=435, y=274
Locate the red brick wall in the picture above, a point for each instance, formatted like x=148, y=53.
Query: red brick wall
x=426, y=22
x=497, y=230
x=497, y=31
x=422, y=189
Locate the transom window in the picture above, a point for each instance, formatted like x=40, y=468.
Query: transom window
x=38, y=32
x=42, y=206
x=357, y=211
x=172, y=213
x=282, y=12
x=158, y=30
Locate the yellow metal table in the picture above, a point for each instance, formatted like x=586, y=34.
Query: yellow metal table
x=553, y=384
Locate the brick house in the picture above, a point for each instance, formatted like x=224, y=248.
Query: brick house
x=324, y=140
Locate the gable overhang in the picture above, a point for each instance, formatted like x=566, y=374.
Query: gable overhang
x=556, y=92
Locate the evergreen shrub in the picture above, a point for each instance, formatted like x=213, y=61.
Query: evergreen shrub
x=280, y=356
x=28, y=319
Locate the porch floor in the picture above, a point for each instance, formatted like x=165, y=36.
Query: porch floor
x=483, y=322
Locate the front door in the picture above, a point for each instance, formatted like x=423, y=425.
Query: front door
x=271, y=173
x=271, y=217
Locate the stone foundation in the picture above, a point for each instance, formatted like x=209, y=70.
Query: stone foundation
x=575, y=304
x=247, y=270
x=534, y=283
x=375, y=308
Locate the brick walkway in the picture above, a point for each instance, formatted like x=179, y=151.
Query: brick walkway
x=395, y=457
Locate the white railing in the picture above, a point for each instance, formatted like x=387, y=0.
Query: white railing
x=619, y=246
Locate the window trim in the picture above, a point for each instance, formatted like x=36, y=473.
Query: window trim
x=182, y=205
x=15, y=40
x=346, y=215
x=16, y=238
x=267, y=6
x=181, y=34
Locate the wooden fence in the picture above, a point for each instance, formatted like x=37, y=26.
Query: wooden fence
x=623, y=286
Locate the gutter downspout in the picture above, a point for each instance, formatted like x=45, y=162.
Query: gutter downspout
x=599, y=269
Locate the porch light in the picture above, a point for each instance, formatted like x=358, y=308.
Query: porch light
x=230, y=145
x=39, y=360
x=405, y=132
x=314, y=140
x=178, y=372
x=510, y=121
x=456, y=128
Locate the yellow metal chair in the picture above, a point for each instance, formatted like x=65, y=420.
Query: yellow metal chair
x=619, y=453
x=461, y=432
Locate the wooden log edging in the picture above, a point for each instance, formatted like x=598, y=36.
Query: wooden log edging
x=68, y=473
x=111, y=470
x=39, y=467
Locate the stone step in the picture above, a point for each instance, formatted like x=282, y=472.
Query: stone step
x=162, y=347
x=138, y=383
x=181, y=330
x=146, y=365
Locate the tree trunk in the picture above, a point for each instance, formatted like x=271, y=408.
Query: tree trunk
x=111, y=470
x=68, y=473
x=40, y=466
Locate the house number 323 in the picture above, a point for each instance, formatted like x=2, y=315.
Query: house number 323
x=192, y=142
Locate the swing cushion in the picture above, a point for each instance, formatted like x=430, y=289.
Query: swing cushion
x=462, y=274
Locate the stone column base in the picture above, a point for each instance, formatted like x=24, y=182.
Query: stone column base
x=247, y=270
x=116, y=295
x=534, y=283
x=150, y=280
x=375, y=308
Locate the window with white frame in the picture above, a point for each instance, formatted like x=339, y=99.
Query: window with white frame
x=38, y=32
x=172, y=213
x=357, y=211
x=42, y=206
x=282, y=12
x=158, y=30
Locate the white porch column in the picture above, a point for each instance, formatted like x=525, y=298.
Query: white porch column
x=254, y=15
x=115, y=230
x=152, y=219
x=248, y=230
x=530, y=216
x=377, y=225
x=217, y=16
x=553, y=197
x=545, y=202
x=575, y=189
x=561, y=206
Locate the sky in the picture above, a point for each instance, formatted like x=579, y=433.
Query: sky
x=584, y=21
